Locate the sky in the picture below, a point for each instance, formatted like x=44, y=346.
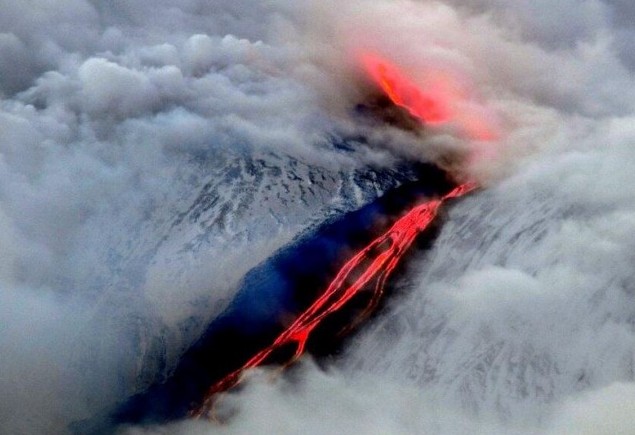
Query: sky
x=104, y=106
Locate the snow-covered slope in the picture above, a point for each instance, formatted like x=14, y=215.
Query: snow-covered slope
x=188, y=259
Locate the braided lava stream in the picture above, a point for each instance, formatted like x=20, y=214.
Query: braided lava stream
x=374, y=264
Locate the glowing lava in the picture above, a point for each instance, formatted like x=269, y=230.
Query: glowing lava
x=432, y=107
x=444, y=101
x=373, y=264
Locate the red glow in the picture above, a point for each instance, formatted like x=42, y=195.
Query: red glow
x=376, y=261
x=432, y=106
x=442, y=101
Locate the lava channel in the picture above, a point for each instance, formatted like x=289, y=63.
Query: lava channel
x=372, y=265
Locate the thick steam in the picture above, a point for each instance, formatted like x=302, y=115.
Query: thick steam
x=109, y=113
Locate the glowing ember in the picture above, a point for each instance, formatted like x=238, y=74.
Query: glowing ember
x=376, y=261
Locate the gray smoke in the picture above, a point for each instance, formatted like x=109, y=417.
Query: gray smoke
x=107, y=110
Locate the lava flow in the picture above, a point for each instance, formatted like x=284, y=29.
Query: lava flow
x=373, y=265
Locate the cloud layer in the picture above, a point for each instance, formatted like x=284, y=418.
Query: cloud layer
x=107, y=111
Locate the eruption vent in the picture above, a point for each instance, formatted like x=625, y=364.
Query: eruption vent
x=444, y=102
